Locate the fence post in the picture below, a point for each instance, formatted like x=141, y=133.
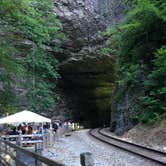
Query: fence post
x=19, y=143
x=0, y=144
x=19, y=140
x=6, y=149
x=86, y=159
x=45, y=141
x=39, y=151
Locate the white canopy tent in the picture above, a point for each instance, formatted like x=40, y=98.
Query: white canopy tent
x=24, y=116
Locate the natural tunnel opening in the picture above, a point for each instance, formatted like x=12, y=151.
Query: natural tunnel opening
x=89, y=84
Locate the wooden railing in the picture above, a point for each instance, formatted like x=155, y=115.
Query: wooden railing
x=11, y=154
x=15, y=153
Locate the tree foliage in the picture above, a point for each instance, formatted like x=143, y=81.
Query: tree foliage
x=28, y=29
x=138, y=43
x=153, y=104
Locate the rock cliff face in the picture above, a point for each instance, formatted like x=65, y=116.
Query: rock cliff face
x=123, y=113
x=84, y=21
x=87, y=77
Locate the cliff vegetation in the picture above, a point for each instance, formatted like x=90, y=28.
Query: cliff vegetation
x=28, y=71
x=138, y=43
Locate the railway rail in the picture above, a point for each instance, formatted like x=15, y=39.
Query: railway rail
x=145, y=152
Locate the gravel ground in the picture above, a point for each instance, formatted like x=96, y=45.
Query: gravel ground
x=153, y=136
x=67, y=150
x=143, y=136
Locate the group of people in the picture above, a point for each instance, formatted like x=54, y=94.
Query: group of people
x=29, y=129
x=67, y=125
x=22, y=129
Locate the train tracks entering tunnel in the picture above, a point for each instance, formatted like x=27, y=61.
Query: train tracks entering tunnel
x=145, y=152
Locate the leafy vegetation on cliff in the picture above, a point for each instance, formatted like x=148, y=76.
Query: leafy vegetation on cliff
x=27, y=29
x=138, y=43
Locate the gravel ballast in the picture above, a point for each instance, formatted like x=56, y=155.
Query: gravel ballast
x=67, y=150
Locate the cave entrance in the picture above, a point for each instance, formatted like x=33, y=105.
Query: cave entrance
x=88, y=84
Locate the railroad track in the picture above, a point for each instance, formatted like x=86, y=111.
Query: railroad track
x=145, y=152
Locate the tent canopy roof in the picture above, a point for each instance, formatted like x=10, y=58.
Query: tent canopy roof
x=24, y=116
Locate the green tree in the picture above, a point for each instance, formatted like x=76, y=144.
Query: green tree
x=153, y=104
x=134, y=43
x=28, y=29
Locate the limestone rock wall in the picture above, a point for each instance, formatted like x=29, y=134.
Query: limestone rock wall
x=124, y=105
x=84, y=21
x=87, y=78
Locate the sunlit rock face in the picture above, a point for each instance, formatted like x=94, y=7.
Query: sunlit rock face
x=84, y=21
x=87, y=77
